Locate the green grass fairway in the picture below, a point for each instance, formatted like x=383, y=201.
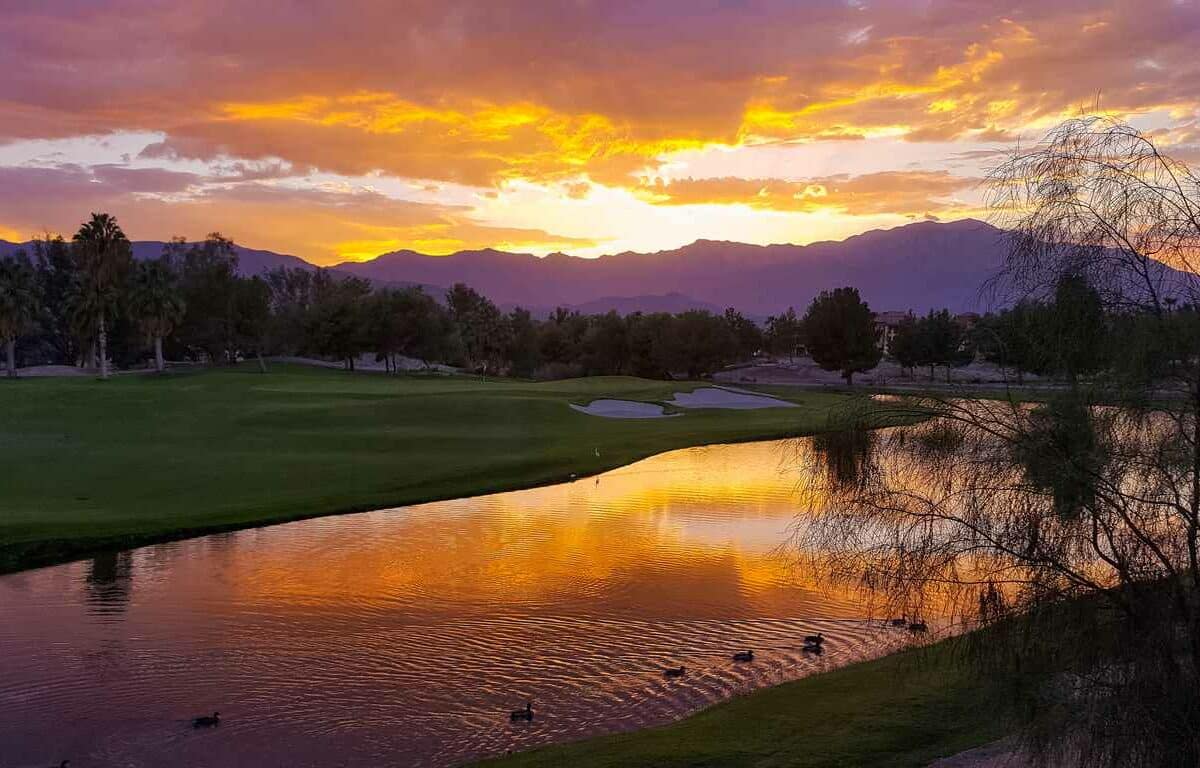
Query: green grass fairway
x=903, y=710
x=90, y=465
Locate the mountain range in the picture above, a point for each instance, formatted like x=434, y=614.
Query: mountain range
x=919, y=266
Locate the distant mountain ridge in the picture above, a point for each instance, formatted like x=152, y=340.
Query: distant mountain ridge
x=919, y=266
x=251, y=261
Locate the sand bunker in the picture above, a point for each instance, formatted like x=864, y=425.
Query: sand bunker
x=712, y=397
x=624, y=409
x=707, y=397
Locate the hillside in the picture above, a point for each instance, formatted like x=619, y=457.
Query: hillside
x=919, y=266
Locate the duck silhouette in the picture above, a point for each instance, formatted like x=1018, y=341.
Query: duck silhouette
x=679, y=671
x=746, y=655
x=205, y=721
x=522, y=714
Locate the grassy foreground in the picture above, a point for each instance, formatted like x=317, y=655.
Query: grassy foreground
x=904, y=710
x=91, y=465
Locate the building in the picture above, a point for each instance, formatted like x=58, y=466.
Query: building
x=886, y=325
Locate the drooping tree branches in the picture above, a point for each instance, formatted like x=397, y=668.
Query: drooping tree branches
x=1067, y=528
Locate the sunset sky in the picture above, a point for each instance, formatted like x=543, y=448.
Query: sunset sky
x=342, y=130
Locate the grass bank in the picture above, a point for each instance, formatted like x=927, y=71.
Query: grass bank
x=901, y=711
x=92, y=465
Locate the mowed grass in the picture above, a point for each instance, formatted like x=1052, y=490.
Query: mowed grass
x=90, y=465
x=901, y=711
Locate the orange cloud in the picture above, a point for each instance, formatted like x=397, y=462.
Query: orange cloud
x=322, y=226
x=480, y=143
x=482, y=92
x=898, y=192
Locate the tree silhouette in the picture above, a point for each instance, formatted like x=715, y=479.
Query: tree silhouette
x=156, y=303
x=1070, y=528
x=18, y=303
x=104, y=257
x=839, y=331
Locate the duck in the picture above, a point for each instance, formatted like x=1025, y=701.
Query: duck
x=918, y=628
x=204, y=721
x=816, y=639
x=813, y=648
x=744, y=656
x=522, y=714
x=679, y=671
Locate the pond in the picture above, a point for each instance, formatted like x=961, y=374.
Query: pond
x=405, y=636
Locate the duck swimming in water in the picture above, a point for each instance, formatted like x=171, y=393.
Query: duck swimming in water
x=204, y=721
x=679, y=671
x=744, y=656
x=816, y=639
x=522, y=714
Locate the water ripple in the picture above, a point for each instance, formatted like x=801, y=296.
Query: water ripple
x=406, y=636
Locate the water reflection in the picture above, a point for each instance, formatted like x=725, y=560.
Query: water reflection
x=110, y=581
x=413, y=632
x=847, y=456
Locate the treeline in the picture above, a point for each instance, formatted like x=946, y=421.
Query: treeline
x=87, y=302
x=1066, y=335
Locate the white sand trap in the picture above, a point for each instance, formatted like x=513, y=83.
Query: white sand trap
x=736, y=399
x=624, y=409
x=707, y=397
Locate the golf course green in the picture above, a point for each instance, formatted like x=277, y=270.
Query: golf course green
x=92, y=465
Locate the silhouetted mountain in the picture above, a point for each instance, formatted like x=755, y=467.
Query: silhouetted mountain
x=250, y=261
x=918, y=266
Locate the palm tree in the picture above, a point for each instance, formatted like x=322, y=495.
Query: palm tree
x=18, y=304
x=156, y=303
x=104, y=256
x=80, y=313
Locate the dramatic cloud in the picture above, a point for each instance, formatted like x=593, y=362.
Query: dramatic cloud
x=588, y=95
x=323, y=226
x=903, y=192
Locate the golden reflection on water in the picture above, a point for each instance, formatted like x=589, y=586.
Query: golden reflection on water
x=701, y=522
x=317, y=638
